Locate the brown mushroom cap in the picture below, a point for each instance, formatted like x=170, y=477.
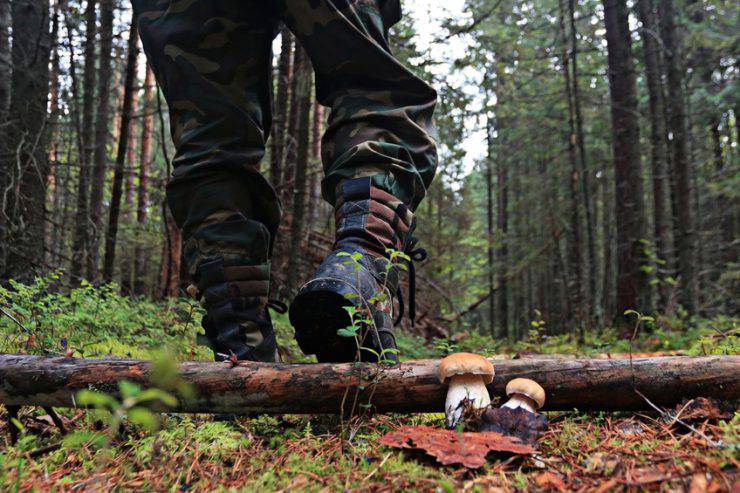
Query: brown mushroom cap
x=465, y=364
x=528, y=388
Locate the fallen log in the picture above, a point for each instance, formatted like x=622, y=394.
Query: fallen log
x=411, y=386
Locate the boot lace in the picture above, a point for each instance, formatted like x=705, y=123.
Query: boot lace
x=414, y=255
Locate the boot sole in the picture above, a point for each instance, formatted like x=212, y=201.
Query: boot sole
x=316, y=316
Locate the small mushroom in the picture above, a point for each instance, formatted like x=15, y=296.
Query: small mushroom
x=524, y=393
x=467, y=375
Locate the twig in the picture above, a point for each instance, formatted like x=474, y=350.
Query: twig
x=11, y=317
x=666, y=414
x=56, y=419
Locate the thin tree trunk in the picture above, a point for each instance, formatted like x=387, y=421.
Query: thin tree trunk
x=314, y=183
x=584, y=174
x=291, y=139
x=116, y=190
x=630, y=210
x=5, y=60
x=677, y=127
x=100, y=153
x=489, y=224
x=81, y=234
x=502, y=227
x=297, y=226
x=24, y=194
x=661, y=184
x=608, y=293
x=145, y=158
x=129, y=173
x=281, y=108
x=52, y=178
x=577, y=281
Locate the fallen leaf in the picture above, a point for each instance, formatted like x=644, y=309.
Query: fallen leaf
x=513, y=422
x=550, y=481
x=698, y=483
x=700, y=409
x=453, y=447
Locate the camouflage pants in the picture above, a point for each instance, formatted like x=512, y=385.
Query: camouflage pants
x=212, y=59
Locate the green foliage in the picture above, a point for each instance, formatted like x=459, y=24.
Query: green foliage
x=94, y=322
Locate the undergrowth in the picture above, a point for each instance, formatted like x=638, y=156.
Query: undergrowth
x=168, y=452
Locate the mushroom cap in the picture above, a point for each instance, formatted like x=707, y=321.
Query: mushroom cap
x=528, y=388
x=465, y=364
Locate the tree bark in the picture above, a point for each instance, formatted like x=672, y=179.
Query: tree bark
x=81, y=234
x=123, y=140
x=297, y=225
x=5, y=62
x=577, y=282
x=630, y=209
x=145, y=158
x=583, y=172
x=681, y=170
x=291, y=138
x=281, y=108
x=489, y=221
x=412, y=386
x=100, y=153
x=26, y=166
x=661, y=184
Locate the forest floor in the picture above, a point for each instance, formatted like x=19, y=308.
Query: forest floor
x=579, y=452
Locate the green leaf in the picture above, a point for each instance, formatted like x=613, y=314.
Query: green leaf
x=128, y=389
x=144, y=418
x=347, y=331
x=98, y=400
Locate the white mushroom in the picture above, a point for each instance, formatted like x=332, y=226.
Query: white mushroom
x=467, y=375
x=525, y=393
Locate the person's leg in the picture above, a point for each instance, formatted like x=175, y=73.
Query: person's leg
x=212, y=60
x=379, y=158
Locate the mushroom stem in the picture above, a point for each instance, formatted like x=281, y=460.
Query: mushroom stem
x=519, y=400
x=461, y=387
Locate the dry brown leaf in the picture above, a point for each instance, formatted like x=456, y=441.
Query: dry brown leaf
x=452, y=447
x=550, y=481
x=700, y=409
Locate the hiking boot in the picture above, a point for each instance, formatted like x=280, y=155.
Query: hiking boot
x=237, y=322
x=361, y=275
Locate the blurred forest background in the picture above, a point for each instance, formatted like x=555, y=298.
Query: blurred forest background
x=604, y=175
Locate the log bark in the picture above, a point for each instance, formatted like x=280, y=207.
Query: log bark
x=411, y=386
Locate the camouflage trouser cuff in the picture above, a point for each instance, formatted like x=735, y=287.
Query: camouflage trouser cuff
x=237, y=241
x=218, y=281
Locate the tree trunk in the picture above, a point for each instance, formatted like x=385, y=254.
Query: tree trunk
x=169, y=272
x=577, y=281
x=489, y=224
x=297, y=225
x=630, y=209
x=100, y=153
x=6, y=73
x=145, y=158
x=116, y=190
x=502, y=227
x=291, y=139
x=584, y=174
x=129, y=173
x=85, y=140
x=26, y=136
x=411, y=386
x=281, y=108
x=661, y=184
x=681, y=170
x=52, y=179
